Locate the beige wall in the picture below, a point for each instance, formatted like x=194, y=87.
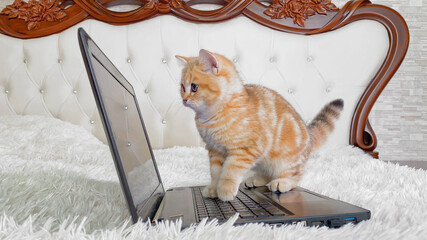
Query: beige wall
x=399, y=117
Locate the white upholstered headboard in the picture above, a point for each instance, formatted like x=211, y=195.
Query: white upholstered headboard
x=46, y=75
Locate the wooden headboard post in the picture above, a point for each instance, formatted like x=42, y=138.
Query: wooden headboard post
x=41, y=18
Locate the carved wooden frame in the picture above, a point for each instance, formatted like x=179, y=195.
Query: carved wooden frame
x=303, y=17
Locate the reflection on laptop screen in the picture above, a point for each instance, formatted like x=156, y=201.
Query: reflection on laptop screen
x=128, y=134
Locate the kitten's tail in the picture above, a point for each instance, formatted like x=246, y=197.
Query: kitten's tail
x=323, y=124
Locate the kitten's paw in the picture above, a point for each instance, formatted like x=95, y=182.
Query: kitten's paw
x=210, y=191
x=255, y=181
x=227, y=190
x=281, y=185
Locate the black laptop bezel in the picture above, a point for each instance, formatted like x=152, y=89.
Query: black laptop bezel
x=148, y=210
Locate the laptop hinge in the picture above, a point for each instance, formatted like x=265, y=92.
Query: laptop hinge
x=159, y=210
x=150, y=208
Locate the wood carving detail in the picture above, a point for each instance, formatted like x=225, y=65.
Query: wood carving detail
x=299, y=10
x=176, y=3
x=34, y=12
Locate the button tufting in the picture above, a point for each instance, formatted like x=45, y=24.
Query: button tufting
x=6, y=91
x=75, y=91
x=163, y=121
x=92, y=122
x=164, y=60
x=128, y=144
x=128, y=60
x=146, y=90
x=25, y=60
x=272, y=59
x=235, y=60
x=59, y=60
x=290, y=91
x=310, y=59
x=328, y=89
x=126, y=107
x=41, y=91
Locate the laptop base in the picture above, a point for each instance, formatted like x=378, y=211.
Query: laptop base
x=297, y=205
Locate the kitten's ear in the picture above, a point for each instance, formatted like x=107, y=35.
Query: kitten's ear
x=182, y=59
x=208, y=62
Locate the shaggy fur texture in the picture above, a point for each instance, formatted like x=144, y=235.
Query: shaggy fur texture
x=57, y=181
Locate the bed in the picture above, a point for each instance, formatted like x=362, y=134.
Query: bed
x=311, y=52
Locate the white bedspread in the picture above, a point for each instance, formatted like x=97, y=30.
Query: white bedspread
x=59, y=181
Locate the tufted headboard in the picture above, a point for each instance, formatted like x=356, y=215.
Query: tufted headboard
x=310, y=57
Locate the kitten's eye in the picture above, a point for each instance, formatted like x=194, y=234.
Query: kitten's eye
x=194, y=87
x=182, y=87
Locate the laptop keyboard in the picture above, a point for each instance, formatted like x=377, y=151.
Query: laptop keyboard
x=243, y=203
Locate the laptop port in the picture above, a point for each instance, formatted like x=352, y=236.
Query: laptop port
x=317, y=223
x=350, y=220
x=334, y=223
x=276, y=224
x=304, y=223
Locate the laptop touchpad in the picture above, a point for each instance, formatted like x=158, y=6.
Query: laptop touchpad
x=293, y=196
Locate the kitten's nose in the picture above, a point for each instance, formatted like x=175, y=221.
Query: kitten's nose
x=185, y=101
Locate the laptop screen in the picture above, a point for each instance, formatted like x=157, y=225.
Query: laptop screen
x=128, y=142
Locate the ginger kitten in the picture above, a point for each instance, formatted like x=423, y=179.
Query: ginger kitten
x=249, y=127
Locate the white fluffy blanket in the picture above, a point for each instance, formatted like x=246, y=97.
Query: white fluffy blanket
x=57, y=181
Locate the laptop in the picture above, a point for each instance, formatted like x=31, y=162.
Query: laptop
x=140, y=178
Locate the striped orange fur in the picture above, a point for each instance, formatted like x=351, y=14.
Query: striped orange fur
x=249, y=127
